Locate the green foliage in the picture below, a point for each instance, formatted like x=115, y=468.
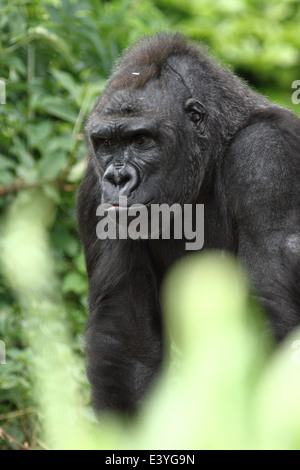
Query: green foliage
x=55, y=56
x=258, y=38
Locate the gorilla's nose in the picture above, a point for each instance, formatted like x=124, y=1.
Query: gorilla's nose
x=119, y=180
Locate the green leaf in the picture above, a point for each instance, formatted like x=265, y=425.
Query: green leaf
x=39, y=134
x=50, y=37
x=75, y=282
x=52, y=193
x=6, y=163
x=65, y=241
x=27, y=174
x=19, y=149
x=57, y=107
x=52, y=164
x=6, y=177
x=77, y=172
x=67, y=82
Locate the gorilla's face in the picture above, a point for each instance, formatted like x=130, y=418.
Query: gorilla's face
x=145, y=144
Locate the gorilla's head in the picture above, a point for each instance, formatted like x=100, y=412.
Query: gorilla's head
x=163, y=121
x=152, y=137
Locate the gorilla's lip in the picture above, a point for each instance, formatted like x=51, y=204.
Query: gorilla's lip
x=125, y=208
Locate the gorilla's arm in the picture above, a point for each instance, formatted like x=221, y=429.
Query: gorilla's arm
x=261, y=177
x=124, y=333
x=124, y=346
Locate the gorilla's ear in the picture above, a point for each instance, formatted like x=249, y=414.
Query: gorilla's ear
x=196, y=112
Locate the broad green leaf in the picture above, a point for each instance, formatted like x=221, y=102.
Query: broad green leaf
x=6, y=177
x=39, y=134
x=77, y=172
x=66, y=81
x=20, y=150
x=52, y=193
x=29, y=175
x=75, y=282
x=57, y=107
x=43, y=33
x=52, y=164
x=6, y=162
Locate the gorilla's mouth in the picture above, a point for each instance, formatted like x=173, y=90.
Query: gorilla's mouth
x=118, y=207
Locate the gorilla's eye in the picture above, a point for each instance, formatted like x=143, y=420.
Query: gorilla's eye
x=107, y=142
x=141, y=139
x=195, y=110
x=195, y=117
x=102, y=142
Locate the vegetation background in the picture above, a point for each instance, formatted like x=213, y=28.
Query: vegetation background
x=55, y=56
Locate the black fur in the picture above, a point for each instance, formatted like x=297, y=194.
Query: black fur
x=212, y=141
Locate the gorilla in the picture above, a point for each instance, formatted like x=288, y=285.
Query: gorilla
x=174, y=126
